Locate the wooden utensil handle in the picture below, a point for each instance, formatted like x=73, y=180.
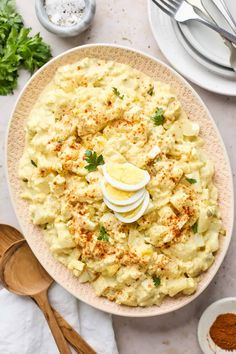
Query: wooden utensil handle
x=42, y=301
x=72, y=336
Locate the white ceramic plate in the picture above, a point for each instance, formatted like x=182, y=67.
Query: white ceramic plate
x=209, y=65
x=194, y=108
x=207, y=42
x=226, y=305
x=181, y=60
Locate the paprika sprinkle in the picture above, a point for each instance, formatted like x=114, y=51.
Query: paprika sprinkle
x=223, y=331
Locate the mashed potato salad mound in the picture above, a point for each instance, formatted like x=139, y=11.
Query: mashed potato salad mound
x=110, y=113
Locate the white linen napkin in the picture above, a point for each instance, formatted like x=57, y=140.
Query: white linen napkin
x=24, y=330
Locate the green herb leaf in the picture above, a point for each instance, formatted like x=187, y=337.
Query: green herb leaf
x=195, y=227
x=151, y=91
x=25, y=180
x=117, y=93
x=88, y=153
x=156, y=280
x=33, y=163
x=158, y=117
x=100, y=160
x=17, y=48
x=93, y=160
x=103, y=236
x=191, y=180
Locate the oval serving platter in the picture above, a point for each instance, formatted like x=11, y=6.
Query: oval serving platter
x=195, y=109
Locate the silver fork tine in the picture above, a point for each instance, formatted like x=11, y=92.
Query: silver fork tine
x=164, y=9
x=176, y=2
x=173, y=7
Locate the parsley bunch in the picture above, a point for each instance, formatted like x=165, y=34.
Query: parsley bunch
x=17, y=48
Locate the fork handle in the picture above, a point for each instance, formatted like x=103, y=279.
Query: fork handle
x=226, y=13
x=42, y=300
x=72, y=336
x=227, y=35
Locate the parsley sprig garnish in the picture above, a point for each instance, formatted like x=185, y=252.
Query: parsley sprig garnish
x=195, y=227
x=191, y=180
x=151, y=91
x=93, y=160
x=158, y=117
x=117, y=93
x=156, y=280
x=103, y=235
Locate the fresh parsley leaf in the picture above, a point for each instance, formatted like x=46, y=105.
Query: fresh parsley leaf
x=25, y=180
x=151, y=91
x=103, y=235
x=191, y=180
x=17, y=48
x=33, y=163
x=117, y=93
x=88, y=153
x=156, y=280
x=91, y=168
x=195, y=227
x=158, y=117
x=93, y=160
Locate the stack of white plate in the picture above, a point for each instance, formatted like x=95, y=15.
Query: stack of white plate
x=194, y=50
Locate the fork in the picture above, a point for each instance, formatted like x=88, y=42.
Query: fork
x=223, y=9
x=182, y=12
x=226, y=13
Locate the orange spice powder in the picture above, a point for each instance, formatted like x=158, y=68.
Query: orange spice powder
x=223, y=331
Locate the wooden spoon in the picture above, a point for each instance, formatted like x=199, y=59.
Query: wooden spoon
x=8, y=235
x=24, y=276
x=21, y=273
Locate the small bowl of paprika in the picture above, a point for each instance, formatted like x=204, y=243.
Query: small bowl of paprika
x=217, y=327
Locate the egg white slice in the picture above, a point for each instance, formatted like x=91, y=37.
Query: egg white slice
x=135, y=214
x=120, y=197
x=123, y=186
x=125, y=208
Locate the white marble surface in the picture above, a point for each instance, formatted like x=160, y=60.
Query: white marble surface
x=125, y=22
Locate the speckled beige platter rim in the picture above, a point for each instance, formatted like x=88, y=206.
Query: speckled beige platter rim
x=195, y=109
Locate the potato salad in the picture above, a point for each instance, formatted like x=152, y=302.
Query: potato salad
x=116, y=176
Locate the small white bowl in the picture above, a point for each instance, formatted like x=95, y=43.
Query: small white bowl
x=66, y=31
x=226, y=305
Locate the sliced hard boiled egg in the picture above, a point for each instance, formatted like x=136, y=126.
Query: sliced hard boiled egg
x=135, y=214
x=124, y=208
x=125, y=176
x=120, y=197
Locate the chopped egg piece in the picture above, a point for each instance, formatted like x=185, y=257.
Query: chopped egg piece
x=190, y=128
x=154, y=152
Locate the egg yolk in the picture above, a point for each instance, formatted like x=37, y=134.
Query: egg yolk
x=132, y=213
x=125, y=173
x=117, y=194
